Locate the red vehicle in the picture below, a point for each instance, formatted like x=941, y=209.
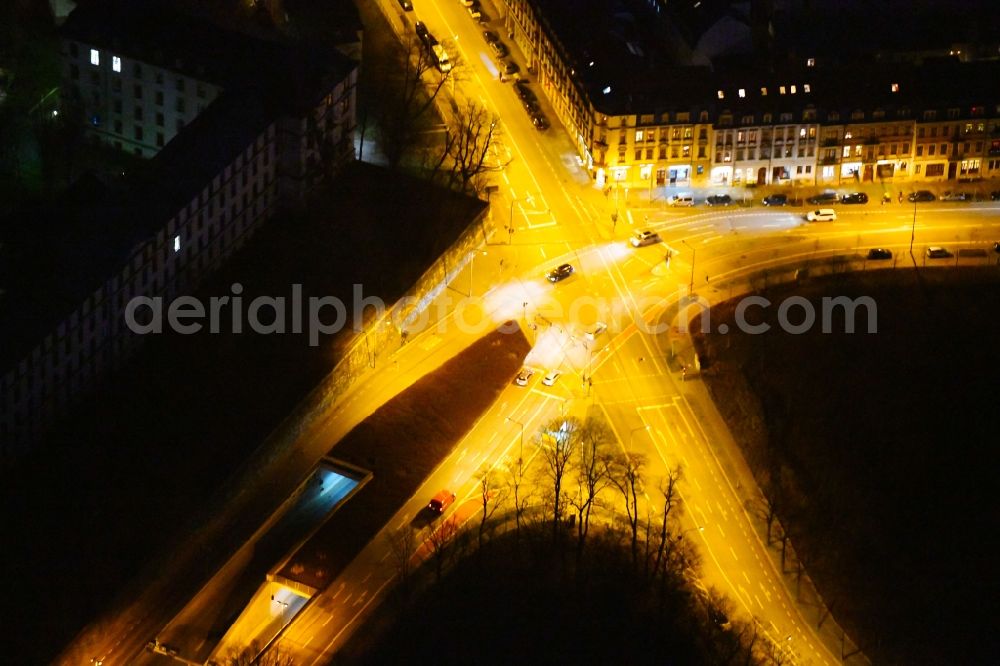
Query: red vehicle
x=441, y=501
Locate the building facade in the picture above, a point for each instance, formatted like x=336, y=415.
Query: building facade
x=223, y=162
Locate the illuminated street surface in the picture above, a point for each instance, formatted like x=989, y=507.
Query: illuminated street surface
x=558, y=216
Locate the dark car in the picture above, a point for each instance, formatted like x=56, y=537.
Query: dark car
x=531, y=106
x=879, y=253
x=508, y=67
x=824, y=198
x=938, y=253
x=921, y=196
x=540, y=121
x=500, y=49
x=719, y=200
x=490, y=36
x=441, y=501
x=854, y=198
x=775, y=200
x=422, y=32
x=523, y=91
x=996, y=247
x=406, y=5
x=995, y=195
x=559, y=273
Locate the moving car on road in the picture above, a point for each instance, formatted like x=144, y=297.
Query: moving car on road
x=598, y=329
x=644, y=238
x=559, y=273
x=719, y=200
x=441, y=501
x=822, y=215
x=921, y=196
x=938, y=253
x=775, y=200
x=879, y=253
x=854, y=198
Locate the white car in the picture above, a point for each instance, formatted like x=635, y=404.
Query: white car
x=599, y=328
x=822, y=215
x=644, y=238
x=523, y=376
x=551, y=378
x=681, y=200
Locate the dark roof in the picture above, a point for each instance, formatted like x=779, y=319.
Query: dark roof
x=54, y=255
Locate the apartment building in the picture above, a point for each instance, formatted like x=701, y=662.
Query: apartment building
x=258, y=145
x=641, y=115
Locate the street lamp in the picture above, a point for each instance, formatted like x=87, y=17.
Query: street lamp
x=510, y=229
x=520, y=452
x=913, y=229
x=632, y=432
x=694, y=253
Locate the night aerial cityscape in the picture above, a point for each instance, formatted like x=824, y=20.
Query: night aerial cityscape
x=499, y=332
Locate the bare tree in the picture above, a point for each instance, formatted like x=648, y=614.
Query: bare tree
x=492, y=495
x=519, y=494
x=463, y=158
x=441, y=541
x=626, y=475
x=671, y=498
x=251, y=655
x=408, y=94
x=558, y=439
x=403, y=546
x=591, y=467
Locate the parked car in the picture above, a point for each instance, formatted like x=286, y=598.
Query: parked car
x=539, y=120
x=996, y=247
x=822, y=215
x=422, y=32
x=406, y=5
x=531, y=106
x=879, y=253
x=441, y=501
x=823, y=198
x=467, y=3
x=500, y=49
x=490, y=36
x=938, y=253
x=955, y=196
x=508, y=67
x=523, y=91
x=719, y=200
x=854, y=198
x=559, y=273
x=681, y=200
x=644, y=238
x=523, y=376
x=995, y=195
x=475, y=11
x=775, y=200
x=551, y=378
x=921, y=196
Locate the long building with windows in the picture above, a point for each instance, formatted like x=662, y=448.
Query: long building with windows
x=646, y=110
x=232, y=143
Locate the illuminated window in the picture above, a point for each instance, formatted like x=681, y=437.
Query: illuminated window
x=810, y=62
x=607, y=90
x=95, y=57
x=177, y=243
x=895, y=87
x=743, y=93
x=847, y=151
x=793, y=91
x=802, y=132
x=763, y=92
x=116, y=63
x=806, y=88
x=638, y=135
x=722, y=95
x=781, y=90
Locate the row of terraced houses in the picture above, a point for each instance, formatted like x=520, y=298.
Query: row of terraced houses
x=234, y=128
x=642, y=123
